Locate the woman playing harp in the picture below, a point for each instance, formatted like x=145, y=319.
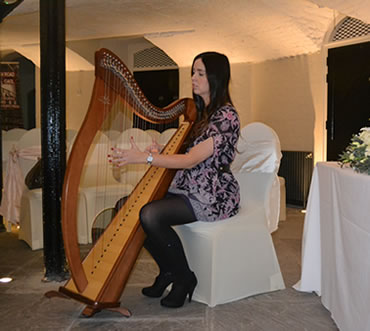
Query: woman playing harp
x=203, y=189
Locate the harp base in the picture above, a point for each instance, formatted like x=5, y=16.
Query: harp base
x=91, y=307
x=91, y=311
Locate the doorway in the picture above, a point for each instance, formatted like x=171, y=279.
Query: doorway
x=348, y=95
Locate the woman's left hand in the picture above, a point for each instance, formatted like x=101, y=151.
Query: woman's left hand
x=121, y=157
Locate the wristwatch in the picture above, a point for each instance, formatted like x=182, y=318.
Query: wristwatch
x=149, y=159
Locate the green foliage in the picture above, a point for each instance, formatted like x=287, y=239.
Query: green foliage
x=357, y=153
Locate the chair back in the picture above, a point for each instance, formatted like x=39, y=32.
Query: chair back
x=165, y=136
x=31, y=139
x=13, y=134
x=154, y=134
x=112, y=134
x=256, y=165
x=258, y=149
x=10, y=140
x=142, y=138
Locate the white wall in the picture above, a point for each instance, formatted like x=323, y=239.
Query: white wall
x=241, y=91
x=282, y=97
x=87, y=48
x=79, y=85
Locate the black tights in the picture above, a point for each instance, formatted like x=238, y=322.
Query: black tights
x=163, y=243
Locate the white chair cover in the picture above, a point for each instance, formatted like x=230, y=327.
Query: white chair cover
x=13, y=134
x=166, y=136
x=259, y=151
x=10, y=141
x=154, y=134
x=235, y=258
x=30, y=201
x=112, y=134
x=14, y=183
x=20, y=160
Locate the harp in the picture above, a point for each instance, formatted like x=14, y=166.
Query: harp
x=99, y=279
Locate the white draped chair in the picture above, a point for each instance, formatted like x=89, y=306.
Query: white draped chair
x=10, y=140
x=235, y=258
x=154, y=134
x=259, y=151
x=14, y=134
x=31, y=212
x=30, y=207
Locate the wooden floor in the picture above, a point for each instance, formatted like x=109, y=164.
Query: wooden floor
x=24, y=307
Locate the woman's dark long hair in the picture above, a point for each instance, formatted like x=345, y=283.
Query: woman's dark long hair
x=218, y=74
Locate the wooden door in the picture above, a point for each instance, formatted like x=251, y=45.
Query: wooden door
x=348, y=95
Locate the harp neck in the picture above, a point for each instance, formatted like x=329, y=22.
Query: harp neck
x=117, y=77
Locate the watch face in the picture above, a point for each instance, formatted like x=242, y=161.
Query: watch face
x=149, y=159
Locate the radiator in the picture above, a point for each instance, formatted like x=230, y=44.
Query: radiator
x=296, y=167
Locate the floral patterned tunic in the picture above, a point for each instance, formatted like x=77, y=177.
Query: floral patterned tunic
x=212, y=192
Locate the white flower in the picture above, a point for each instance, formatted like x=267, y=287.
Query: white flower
x=365, y=137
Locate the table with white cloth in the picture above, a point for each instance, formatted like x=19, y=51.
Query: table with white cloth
x=336, y=244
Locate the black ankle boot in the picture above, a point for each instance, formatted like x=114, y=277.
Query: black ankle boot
x=180, y=290
x=160, y=284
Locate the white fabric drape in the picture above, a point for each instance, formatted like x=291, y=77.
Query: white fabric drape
x=336, y=244
x=14, y=182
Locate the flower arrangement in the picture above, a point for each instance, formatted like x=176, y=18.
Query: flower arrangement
x=357, y=154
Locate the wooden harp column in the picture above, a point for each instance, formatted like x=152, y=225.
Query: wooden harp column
x=98, y=280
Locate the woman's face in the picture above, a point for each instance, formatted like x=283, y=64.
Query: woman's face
x=200, y=81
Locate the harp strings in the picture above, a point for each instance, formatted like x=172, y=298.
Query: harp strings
x=115, y=183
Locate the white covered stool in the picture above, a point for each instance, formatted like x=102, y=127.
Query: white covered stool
x=31, y=219
x=235, y=258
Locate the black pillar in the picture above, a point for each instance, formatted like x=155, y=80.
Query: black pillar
x=2, y=226
x=52, y=50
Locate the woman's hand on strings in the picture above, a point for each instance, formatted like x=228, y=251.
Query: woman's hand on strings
x=120, y=157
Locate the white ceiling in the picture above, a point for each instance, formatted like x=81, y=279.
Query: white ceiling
x=245, y=30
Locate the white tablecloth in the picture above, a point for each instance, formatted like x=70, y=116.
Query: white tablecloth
x=336, y=244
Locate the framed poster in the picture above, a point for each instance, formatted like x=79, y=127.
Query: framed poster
x=11, y=113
